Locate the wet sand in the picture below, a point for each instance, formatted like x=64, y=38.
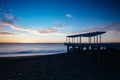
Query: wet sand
x=64, y=66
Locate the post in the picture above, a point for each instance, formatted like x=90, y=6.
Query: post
x=97, y=42
x=68, y=49
x=69, y=39
x=94, y=39
x=80, y=39
x=97, y=39
x=77, y=39
x=100, y=38
x=72, y=40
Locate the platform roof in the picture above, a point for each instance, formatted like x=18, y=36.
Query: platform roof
x=87, y=34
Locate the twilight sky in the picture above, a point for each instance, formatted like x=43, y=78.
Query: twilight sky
x=44, y=21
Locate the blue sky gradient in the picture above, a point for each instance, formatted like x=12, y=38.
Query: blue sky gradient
x=52, y=20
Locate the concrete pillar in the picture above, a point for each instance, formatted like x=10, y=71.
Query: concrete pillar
x=80, y=39
x=97, y=39
x=100, y=38
x=72, y=40
x=69, y=39
x=68, y=49
x=73, y=47
x=81, y=49
x=94, y=39
x=87, y=48
x=92, y=48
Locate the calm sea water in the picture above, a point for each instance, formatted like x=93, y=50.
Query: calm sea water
x=29, y=49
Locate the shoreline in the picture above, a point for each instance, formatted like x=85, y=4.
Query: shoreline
x=27, y=55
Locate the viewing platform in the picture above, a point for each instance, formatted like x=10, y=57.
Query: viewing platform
x=74, y=42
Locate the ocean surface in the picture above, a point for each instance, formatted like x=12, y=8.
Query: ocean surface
x=30, y=49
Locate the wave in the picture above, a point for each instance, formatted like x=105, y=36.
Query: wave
x=31, y=49
x=30, y=53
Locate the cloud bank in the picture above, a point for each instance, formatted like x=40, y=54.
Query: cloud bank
x=111, y=28
x=9, y=22
x=6, y=33
x=20, y=28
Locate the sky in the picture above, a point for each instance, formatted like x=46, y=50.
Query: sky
x=50, y=21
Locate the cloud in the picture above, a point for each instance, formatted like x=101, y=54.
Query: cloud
x=9, y=22
x=4, y=21
x=115, y=27
x=20, y=28
x=6, y=33
x=69, y=15
x=10, y=17
x=60, y=25
x=111, y=28
x=1, y=25
x=48, y=30
x=7, y=18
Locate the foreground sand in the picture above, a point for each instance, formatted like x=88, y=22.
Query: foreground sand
x=57, y=67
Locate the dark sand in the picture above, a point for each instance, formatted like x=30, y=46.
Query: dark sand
x=59, y=67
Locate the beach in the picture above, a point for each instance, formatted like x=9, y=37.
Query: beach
x=59, y=39
x=67, y=66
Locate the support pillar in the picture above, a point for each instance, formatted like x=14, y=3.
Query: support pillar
x=100, y=38
x=94, y=39
x=80, y=39
x=87, y=48
x=81, y=49
x=68, y=49
x=69, y=40
x=97, y=39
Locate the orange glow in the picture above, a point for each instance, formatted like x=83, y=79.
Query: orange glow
x=48, y=39
x=29, y=40
x=9, y=41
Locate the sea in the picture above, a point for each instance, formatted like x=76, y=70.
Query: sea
x=30, y=49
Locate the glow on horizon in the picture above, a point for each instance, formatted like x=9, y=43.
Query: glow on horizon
x=50, y=21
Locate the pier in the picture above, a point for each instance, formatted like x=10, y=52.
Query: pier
x=75, y=43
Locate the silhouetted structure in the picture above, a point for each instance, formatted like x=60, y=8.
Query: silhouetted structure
x=74, y=42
